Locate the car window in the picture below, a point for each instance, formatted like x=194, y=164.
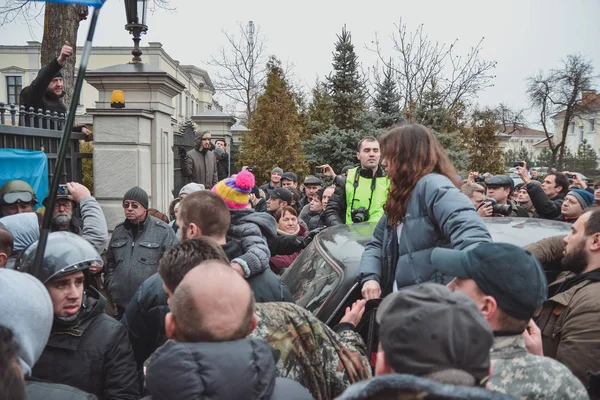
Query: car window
x=312, y=279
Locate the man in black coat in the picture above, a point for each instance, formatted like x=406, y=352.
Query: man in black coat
x=87, y=349
x=548, y=198
x=47, y=89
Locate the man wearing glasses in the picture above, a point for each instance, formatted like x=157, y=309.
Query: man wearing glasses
x=16, y=197
x=135, y=248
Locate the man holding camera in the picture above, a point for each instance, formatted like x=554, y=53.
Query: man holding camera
x=361, y=194
x=498, y=203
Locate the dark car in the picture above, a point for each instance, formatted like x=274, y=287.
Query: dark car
x=323, y=278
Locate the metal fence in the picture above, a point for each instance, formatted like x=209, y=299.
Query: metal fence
x=39, y=130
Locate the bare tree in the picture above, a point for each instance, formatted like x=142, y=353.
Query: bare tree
x=509, y=120
x=241, y=68
x=556, y=96
x=423, y=66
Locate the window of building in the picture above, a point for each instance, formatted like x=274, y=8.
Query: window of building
x=592, y=125
x=180, y=104
x=572, y=127
x=192, y=106
x=14, y=84
x=580, y=133
x=187, y=106
x=197, y=108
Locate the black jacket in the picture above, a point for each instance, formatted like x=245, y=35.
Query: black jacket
x=92, y=353
x=145, y=313
x=36, y=95
x=38, y=390
x=544, y=206
x=241, y=369
x=223, y=167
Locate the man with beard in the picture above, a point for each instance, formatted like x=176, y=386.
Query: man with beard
x=91, y=225
x=570, y=319
x=200, y=163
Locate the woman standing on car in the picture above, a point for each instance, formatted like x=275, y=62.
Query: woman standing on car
x=424, y=210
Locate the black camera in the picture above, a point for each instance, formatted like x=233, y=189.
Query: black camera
x=250, y=169
x=319, y=170
x=359, y=215
x=479, y=179
x=501, y=209
x=571, y=176
x=518, y=164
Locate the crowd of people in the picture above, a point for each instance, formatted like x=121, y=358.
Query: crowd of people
x=190, y=304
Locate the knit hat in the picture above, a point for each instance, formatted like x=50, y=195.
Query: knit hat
x=191, y=188
x=236, y=190
x=138, y=194
x=277, y=170
x=584, y=197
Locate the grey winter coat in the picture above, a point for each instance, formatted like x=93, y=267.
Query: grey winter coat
x=438, y=215
x=411, y=386
x=241, y=369
x=254, y=230
x=133, y=260
x=200, y=167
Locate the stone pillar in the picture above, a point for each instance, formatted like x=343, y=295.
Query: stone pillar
x=133, y=145
x=218, y=123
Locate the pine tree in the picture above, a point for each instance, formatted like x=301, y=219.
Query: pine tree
x=275, y=129
x=524, y=155
x=483, y=144
x=320, y=110
x=544, y=158
x=509, y=158
x=387, y=100
x=346, y=84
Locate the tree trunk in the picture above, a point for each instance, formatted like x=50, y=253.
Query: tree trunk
x=61, y=22
x=553, y=158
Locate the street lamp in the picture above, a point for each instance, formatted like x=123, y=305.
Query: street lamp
x=136, y=11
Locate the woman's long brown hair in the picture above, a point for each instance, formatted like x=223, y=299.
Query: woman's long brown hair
x=411, y=152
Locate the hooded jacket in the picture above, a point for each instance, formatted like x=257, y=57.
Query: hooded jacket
x=92, y=353
x=254, y=230
x=241, y=369
x=132, y=260
x=414, y=387
x=26, y=309
x=201, y=167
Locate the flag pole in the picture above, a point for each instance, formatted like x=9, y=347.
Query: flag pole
x=64, y=143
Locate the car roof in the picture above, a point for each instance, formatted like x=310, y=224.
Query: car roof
x=345, y=243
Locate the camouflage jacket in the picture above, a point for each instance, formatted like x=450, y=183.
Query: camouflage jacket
x=309, y=352
x=526, y=376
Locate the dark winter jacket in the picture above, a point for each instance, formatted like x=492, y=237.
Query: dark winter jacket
x=132, y=260
x=438, y=215
x=92, y=353
x=242, y=369
x=335, y=213
x=305, y=214
x=200, y=167
x=254, y=230
x=39, y=390
x=92, y=224
x=36, y=95
x=267, y=187
x=280, y=262
x=316, y=222
x=544, y=206
x=223, y=166
x=261, y=206
x=413, y=387
x=145, y=313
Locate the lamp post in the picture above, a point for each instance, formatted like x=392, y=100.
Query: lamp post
x=136, y=11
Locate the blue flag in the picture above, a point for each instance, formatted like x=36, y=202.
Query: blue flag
x=93, y=3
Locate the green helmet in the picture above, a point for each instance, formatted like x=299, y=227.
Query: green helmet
x=17, y=191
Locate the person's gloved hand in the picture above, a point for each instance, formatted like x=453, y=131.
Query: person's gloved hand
x=182, y=152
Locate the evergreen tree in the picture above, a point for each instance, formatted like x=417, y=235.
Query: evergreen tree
x=509, y=158
x=483, y=144
x=346, y=84
x=544, y=158
x=524, y=155
x=587, y=159
x=320, y=110
x=387, y=100
x=275, y=129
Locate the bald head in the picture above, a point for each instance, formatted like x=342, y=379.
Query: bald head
x=213, y=303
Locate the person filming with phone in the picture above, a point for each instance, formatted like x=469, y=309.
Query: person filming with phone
x=361, y=194
x=548, y=198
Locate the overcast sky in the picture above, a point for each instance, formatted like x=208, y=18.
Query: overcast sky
x=523, y=36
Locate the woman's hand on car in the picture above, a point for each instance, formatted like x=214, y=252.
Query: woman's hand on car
x=371, y=290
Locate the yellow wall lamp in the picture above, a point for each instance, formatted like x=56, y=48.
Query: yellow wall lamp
x=117, y=99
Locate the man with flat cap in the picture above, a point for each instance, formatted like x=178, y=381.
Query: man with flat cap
x=499, y=189
x=433, y=343
x=199, y=165
x=509, y=286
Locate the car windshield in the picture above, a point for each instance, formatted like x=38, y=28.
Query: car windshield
x=312, y=279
